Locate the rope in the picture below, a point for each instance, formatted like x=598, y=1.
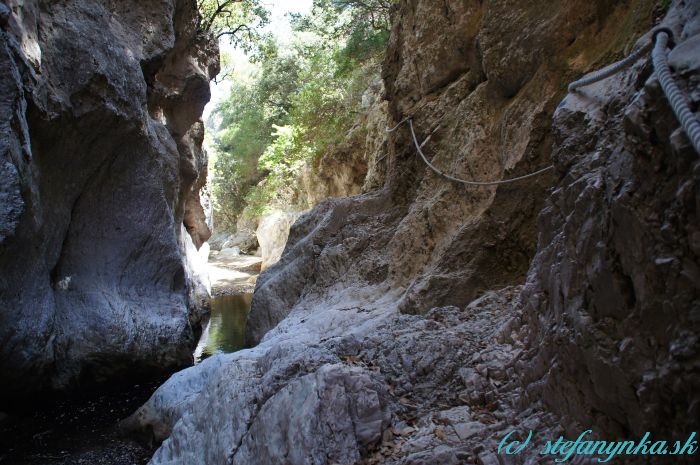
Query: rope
x=610, y=69
x=622, y=64
x=398, y=125
x=419, y=148
x=662, y=37
x=673, y=93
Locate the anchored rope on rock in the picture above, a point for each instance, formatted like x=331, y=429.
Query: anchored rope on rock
x=616, y=67
x=398, y=125
x=673, y=93
x=662, y=38
x=610, y=69
x=419, y=148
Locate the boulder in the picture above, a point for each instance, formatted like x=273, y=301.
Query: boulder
x=272, y=233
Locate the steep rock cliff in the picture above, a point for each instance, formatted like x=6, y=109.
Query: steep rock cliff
x=100, y=149
x=488, y=99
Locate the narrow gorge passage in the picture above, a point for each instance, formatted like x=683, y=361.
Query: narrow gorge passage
x=357, y=232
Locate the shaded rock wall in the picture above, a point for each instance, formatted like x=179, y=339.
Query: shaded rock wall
x=100, y=149
x=612, y=302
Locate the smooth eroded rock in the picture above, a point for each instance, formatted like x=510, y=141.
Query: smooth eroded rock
x=101, y=162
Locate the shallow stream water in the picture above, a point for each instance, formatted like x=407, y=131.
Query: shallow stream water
x=225, y=331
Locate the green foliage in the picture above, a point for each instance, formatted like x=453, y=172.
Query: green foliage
x=239, y=20
x=279, y=157
x=302, y=101
x=242, y=136
x=338, y=19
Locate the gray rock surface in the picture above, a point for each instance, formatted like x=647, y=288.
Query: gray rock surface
x=350, y=382
x=400, y=287
x=244, y=239
x=612, y=300
x=101, y=162
x=272, y=233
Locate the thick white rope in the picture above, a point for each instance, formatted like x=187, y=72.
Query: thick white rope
x=616, y=67
x=659, y=56
x=398, y=125
x=673, y=93
x=419, y=148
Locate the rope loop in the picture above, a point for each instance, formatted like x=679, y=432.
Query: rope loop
x=419, y=149
x=658, y=30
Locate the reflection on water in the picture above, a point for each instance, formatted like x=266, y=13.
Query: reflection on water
x=225, y=330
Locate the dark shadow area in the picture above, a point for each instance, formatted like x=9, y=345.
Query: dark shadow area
x=72, y=429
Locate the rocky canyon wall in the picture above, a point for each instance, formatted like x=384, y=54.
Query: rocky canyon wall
x=612, y=302
x=489, y=96
x=101, y=160
x=411, y=325
x=600, y=330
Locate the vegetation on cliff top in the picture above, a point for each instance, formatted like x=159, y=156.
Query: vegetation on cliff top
x=297, y=100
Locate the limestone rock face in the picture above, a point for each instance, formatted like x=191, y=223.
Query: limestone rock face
x=466, y=69
x=101, y=164
x=356, y=165
x=612, y=299
x=307, y=405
